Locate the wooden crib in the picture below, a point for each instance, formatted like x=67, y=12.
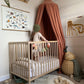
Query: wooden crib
x=29, y=63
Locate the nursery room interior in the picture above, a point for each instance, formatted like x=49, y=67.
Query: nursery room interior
x=41, y=42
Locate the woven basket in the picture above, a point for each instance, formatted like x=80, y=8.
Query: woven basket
x=67, y=67
x=69, y=56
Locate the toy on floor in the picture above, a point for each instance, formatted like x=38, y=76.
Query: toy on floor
x=59, y=80
x=8, y=81
x=72, y=67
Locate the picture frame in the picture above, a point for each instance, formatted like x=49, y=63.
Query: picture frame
x=75, y=26
x=14, y=19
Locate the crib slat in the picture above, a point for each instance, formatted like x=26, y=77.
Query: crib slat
x=29, y=62
x=21, y=58
x=21, y=61
x=18, y=60
x=38, y=62
x=46, y=57
x=16, y=52
x=48, y=60
x=50, y=57
x=32, y=54
x=24, y=59
x=41, y=63
x=43, y=59
x=38, y=59
x=12, y=54
x=13, y=58
x=35, y=70
x=41, y=55
x=57, y=49
x=26, y=52
x=10, y=59
x=35, y=64
x=16, y=55
x=54, y=54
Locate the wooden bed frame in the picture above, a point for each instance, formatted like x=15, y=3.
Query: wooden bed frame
x=19, y=50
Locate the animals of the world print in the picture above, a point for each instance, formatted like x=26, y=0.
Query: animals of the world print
x=14, y=19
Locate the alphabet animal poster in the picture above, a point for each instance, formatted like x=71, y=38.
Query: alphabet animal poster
x=75, y=27
x=13, y=19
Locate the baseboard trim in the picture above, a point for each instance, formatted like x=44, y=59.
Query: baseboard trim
x=5, y=77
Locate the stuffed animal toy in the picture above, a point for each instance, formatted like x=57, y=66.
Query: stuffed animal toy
x=8, y=81
x=33, y=45
x=56, y=81
x=59, y=80
x=48, y=45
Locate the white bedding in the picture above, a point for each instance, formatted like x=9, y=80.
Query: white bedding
x=36, y=68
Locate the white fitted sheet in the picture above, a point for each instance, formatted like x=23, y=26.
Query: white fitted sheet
x=36, y=67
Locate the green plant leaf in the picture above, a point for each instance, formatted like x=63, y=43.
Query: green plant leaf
x=7, y=2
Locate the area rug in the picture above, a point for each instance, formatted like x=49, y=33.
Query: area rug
x=49, y=79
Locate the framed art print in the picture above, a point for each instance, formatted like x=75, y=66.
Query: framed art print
x=15, y=19
x=75, y=27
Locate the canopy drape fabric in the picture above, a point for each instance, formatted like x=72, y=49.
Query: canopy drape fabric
x=48, y=18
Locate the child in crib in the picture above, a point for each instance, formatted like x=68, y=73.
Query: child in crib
x=36, y=38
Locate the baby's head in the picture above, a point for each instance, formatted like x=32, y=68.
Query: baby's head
x=36, y=28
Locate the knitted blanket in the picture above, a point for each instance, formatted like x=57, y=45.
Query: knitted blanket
x=78, y=74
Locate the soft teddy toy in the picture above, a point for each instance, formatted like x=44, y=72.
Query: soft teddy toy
x=59, y=80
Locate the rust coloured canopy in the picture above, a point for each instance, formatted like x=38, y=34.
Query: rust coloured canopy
x=48, y=18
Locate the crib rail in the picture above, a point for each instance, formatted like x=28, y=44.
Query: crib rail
x=30, y=60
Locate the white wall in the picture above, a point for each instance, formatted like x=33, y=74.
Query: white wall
x=7, y=36
x=70, y=9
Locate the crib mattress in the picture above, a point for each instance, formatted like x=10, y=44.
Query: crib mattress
x=36, y=67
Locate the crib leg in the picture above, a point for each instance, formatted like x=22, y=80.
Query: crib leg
x=33, y=81
x=11, y=76
x=29, y=82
